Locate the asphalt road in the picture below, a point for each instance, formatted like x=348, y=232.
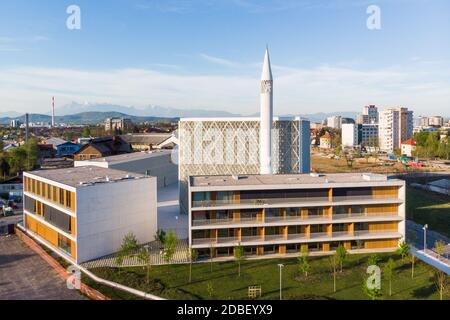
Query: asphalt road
x=25, y=276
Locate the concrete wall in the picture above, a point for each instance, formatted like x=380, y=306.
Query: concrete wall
x=107, y=212
x=160, y=167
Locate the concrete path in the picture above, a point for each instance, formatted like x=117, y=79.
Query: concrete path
x=25, y=276
x=429, y=256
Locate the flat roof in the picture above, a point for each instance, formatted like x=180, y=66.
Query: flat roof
x=286, y=179
x=79, y=177
x=131, y=156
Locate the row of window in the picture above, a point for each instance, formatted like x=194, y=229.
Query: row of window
x=230, y=196
x=247, y=214
x=62, y=197
x=291, y=230
x=51, y=215
x=274, y=249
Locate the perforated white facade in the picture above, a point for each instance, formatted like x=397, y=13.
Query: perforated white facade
x=231, y=146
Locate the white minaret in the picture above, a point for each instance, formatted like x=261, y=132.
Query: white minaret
x=265, y=138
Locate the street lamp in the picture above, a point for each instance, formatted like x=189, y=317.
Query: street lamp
x=425, y=227
x=281, y=266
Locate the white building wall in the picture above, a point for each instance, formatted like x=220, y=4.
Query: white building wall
x=349, y=135
x=107, y=212
x=160, y=165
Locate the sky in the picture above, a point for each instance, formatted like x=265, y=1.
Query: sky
x=207, y=54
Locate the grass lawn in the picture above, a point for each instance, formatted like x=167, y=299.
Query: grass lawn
x=172, y=281
x=325, y=165
x=427, y=207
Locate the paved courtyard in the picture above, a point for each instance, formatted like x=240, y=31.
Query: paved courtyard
x=25, y=276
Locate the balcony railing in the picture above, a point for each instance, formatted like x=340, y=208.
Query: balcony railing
x=284, y=201
x=292, y=219
x=318, y=236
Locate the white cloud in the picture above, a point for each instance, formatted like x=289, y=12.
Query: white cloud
x=324, y=88
x=217, y=60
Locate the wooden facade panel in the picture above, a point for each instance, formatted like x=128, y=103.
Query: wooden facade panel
x=383, y=192
x=383, y=226
x=381, y=244
x=381, y=210
x=73, y=248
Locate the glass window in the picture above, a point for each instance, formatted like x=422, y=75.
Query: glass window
x=202, y=196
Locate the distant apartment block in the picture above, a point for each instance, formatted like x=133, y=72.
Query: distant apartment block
x=14, y=123
x=368, y=116
x=156, y=163
x=117, y=124
x=84, y=213
x=430, y=121
x=395, y=126
x=350, y=135
x=278, y=214
x=334, y=122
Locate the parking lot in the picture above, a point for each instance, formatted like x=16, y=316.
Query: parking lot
x=25, y=276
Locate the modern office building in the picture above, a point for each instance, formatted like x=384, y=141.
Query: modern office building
x=278, y=214
x=395, y=126
x=155, y=163
x=84, y=213
x=369, y=135
x=227, y=146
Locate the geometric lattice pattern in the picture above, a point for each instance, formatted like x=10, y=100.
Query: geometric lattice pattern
x=231, y=146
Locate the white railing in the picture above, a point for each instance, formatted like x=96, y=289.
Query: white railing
x=280, y=219
x=319, y=236
x=275, y=201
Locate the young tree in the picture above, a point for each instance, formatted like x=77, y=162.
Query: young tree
x=160, y=236
x=439, y=247
x=341, y=255
x=192, y=255
x=441, y=281
x=412, y=258
x=211, y=256
x=210, y=289
x=144, y=256
x=32, y=152
x=389, y=272
x=373, y=260
x=86, y=132
x=403, y=250
x=333, y=260
x=370, y=290
x=170, y=246
x=303, y=262
x=239, y=256
x=129, y=246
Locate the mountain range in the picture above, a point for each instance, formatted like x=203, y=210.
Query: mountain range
x=83, y=118
x=89, y=113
